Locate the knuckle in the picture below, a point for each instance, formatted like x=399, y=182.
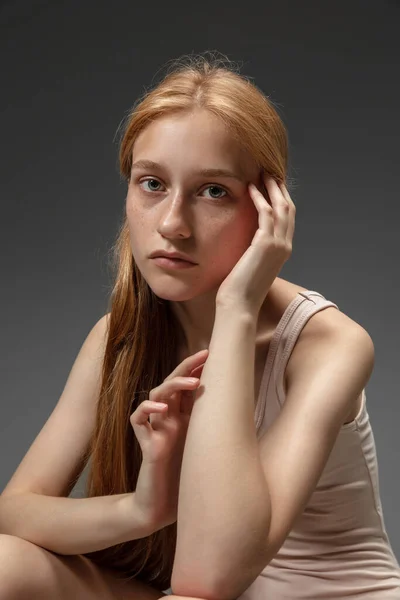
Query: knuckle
x=275, y=243
x=267, y=244
x=168, y=384
x=173, y=425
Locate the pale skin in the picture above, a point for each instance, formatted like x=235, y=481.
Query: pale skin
x=209, y=225
x=251, y=478
x=180, y=212
x=180, y=215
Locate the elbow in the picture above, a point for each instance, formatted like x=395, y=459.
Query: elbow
x=190, y=587
x=226, y=566
x=231, y=580
x=197, y=581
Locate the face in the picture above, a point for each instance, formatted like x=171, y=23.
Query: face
x=174, y=207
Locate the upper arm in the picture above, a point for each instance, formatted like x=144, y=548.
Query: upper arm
x=56, y=457
x=329, y=367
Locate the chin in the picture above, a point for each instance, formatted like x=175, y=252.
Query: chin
x=174, y=293
x=178, y=297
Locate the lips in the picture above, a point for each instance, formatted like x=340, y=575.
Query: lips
x=172, y=256
x=172, y=263
x=178, y=258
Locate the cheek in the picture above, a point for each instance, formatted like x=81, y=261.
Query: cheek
x=237, y=235
x=135, y=227
x=134, y=215
x=130, y=207
x=230, y=242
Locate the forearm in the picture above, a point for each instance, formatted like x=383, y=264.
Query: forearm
x=72, y=525
x=223, y=498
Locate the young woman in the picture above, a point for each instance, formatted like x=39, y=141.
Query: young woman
x=256, y=480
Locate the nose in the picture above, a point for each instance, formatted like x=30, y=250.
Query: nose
x=173, y=221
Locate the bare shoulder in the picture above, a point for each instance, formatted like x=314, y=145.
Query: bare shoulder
x=326, y=320
x=331, y=331
x=327, y=331
x=98, y=335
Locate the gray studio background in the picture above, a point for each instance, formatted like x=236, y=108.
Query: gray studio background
x=69, y=72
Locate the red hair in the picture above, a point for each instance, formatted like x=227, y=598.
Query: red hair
x=143, y=335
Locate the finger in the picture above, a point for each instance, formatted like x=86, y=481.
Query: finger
x=280, y=207
x=286, y=194
x=197, y=371
x=292, y=218
x=170, y=392
x=265, y=210
x=188, y=364
x=144, y=410
x=187, y=401
x=188, y=397
x=162, y=392
x=173, y=403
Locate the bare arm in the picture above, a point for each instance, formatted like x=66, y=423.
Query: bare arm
x=73, y=525
x=35, y=505
x=223, y=495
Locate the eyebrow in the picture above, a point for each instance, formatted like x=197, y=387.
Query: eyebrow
x=150, y=164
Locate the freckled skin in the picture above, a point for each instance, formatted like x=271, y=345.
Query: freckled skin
x=212, y=219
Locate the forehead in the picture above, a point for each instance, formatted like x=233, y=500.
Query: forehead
x=193, y=141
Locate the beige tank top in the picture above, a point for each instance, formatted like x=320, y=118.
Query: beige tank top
x=339, y=547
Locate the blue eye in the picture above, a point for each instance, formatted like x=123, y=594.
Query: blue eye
x=147, y=180
x=213, y=186
x=218, y=188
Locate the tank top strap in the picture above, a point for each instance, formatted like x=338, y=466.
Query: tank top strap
x=306, y=304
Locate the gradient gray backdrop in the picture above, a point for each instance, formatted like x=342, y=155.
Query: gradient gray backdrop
x=69, y=72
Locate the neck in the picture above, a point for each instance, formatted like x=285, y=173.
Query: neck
x=197, y=318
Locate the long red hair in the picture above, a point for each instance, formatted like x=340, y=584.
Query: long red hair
x=143, y=335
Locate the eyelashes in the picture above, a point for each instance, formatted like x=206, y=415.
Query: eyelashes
x=209, y=186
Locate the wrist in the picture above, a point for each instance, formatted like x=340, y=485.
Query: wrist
x=236, y=310
x=136, y=522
